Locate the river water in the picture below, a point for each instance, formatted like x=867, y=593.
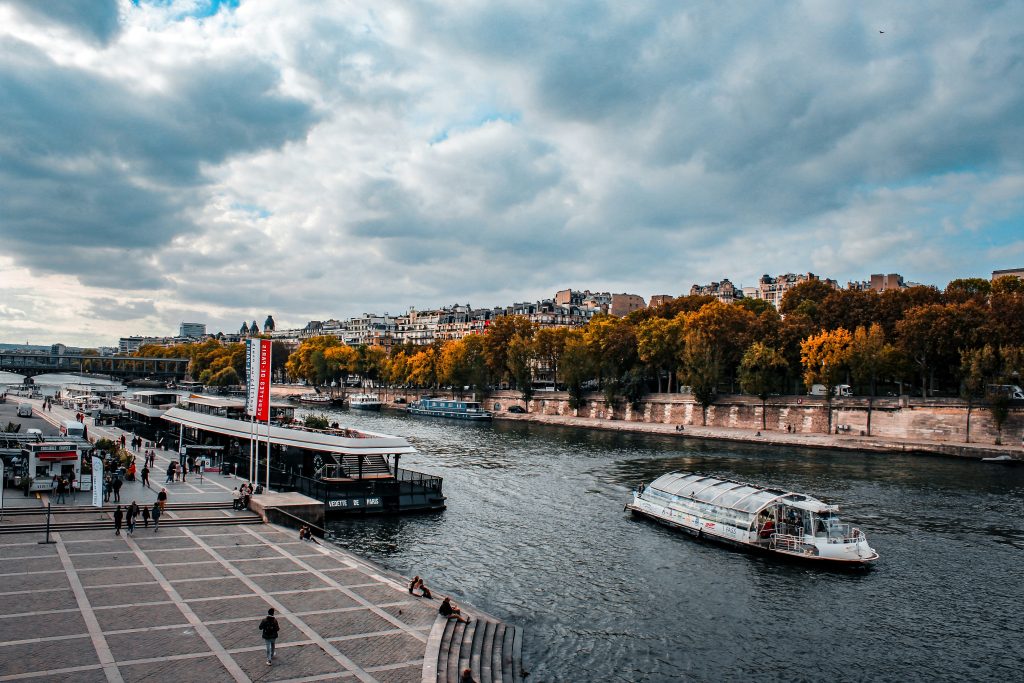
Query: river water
x=535, y=534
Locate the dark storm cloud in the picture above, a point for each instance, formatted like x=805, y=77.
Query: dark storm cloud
x=91, y=164
x=95, y=20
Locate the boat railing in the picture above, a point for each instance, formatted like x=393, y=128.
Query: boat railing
x=787, y=542
x=426, y=480
x=844, y=533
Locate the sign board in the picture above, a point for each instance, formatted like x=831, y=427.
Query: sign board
x=97, y=475
x=368, y=503
x=85, y=482
x=257, y=378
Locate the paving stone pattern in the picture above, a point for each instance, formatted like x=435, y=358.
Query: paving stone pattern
x=184, y=605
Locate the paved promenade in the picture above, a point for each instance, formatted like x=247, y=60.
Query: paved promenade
x=183, y=605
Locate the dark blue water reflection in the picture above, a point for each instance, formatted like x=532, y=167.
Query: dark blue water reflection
x=535, y=534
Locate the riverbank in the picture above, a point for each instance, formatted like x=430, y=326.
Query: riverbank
x=778, y=439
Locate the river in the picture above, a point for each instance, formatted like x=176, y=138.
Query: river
x=535, y=534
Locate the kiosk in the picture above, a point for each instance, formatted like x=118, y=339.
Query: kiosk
x=52, y=459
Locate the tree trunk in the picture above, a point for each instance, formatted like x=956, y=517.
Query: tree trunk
x=828, y=406
x=764, y=413
x=967, y=436
x=704, y=415
x=870, y=401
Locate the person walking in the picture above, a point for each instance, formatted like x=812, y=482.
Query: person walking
x=156, y=517
x=118, y=518
x=107, y=486
x=236, y=499
x=54, y=485
x=170, y=473
x=133, y=512
x=270, y=629
x=145, y=477
x=116, y=485
x=145, y=516
x=62, y=486
x=161, y=499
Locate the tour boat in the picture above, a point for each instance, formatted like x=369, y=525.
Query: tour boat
x=443, y=407
x=314, y=399
x=753, y=517
x=364, y=402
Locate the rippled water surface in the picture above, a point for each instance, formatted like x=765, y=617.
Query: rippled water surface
x=535, y=534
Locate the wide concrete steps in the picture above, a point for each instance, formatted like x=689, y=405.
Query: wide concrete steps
x=108, y=508
x=493, y=651
x=87, y=519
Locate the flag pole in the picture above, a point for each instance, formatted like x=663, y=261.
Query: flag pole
x=270, y=370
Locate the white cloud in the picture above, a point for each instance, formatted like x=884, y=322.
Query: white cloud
x=313, y=160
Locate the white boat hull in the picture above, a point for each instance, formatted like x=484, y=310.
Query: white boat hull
x=851, y=554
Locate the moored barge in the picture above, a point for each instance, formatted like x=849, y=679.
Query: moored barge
x=451, y=408
x=349, y=470
x=752, y=517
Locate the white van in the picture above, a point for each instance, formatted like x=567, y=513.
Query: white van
x=838, y=390
x=1011, y=391
x=24, y=410
x=72, y=428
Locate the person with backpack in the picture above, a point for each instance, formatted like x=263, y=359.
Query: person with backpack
x=270, y=629
x=156, y=517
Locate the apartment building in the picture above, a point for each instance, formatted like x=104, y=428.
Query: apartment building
x=725, y=291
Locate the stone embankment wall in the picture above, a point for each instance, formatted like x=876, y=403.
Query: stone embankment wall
x=910, y=419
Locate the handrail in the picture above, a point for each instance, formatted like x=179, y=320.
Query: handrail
x=303, y=522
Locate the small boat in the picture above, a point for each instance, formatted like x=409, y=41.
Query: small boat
x=1004, y=459
x=314, y=399
x=444, y=407
x=364, y=402
x=756, y=518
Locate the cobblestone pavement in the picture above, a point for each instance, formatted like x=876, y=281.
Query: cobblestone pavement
x=183, y=604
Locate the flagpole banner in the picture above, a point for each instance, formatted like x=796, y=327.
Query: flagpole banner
x=252, y=364
x=263, y=383
x=97, y=482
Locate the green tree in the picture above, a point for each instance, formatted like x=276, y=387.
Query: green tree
x=968, y=289
x=497, y=338
x=760, y=372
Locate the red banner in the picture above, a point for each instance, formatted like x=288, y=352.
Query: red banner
x=263, y=390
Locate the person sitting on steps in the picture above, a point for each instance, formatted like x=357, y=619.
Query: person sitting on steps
x=451, y=611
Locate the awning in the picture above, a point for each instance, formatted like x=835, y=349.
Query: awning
x=57, y=455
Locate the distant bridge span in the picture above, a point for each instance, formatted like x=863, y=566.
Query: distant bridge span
x=125, y=367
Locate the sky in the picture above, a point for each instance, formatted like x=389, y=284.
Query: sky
x=218, y=161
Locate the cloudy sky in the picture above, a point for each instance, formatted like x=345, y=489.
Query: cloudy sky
x=169, y=160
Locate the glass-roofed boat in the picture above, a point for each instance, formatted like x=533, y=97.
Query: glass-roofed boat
x=753, y=517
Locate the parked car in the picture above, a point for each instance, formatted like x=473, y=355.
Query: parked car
x=399, y=399
x=516, y=409
x=24, y=410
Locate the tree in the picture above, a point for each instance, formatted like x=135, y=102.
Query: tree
x=728, y=328
x=226, y=377
x=659, y=346
x=933, y=335
x=341, y=361
x=578, y=366
x=805, y=297
x=868, y=355
x=968, y=289
x=497, y=338
x=824, y=357
x=520, y=358
x=702, y=368
x=612, y=344
x=309, y=360
x=549, y=343
x=760, y=372
x=977, y=369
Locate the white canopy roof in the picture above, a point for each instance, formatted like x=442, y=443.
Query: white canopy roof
x=731, y=494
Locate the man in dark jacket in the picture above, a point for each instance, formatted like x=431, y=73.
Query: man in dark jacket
x=270, y=629
x=116, y=485
x=118, y=520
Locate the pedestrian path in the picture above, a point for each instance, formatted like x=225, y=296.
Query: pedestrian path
x=184, y=603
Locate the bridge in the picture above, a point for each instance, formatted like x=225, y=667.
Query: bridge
x=125, y=367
